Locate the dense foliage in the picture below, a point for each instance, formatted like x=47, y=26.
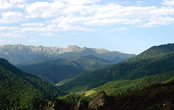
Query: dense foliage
x=19, y=90
x=155, y=97
x=114, y=88
x=73, y=98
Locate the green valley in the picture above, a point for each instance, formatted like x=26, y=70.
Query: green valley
x=60, y=69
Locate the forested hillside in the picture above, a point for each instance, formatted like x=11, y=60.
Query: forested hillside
x=19, y=90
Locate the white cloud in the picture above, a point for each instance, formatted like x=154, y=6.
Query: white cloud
x=7, y=28
x=77, y=2
x=156, y=21
x=44, y=9
x=168, y=2
x=10, y=35
x=11, y=17
x=64, y=15
x=32, y=24
x=16, y=1
x=59, y=8
x=6, y=4
x=116, y=14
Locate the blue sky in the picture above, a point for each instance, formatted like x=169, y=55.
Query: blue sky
x=129, y=26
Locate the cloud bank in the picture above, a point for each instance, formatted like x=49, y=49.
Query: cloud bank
x=19, y=16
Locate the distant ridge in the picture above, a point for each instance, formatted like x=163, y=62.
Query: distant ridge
x=18, y=54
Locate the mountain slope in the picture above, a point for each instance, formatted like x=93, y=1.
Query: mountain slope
x=19, y=90
x=157, y=51
x=142, y=65
x=114, y=88
x=20, y=54
x=59, y=69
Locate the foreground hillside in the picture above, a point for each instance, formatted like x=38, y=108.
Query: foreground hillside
x=156, y=60
x=155, y=97
x=19, y=90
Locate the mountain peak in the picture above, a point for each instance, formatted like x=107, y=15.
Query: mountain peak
x=73, y=47
x=102, y=50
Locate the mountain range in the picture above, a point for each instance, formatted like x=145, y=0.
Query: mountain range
x=21, y=54
x=55, y=64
